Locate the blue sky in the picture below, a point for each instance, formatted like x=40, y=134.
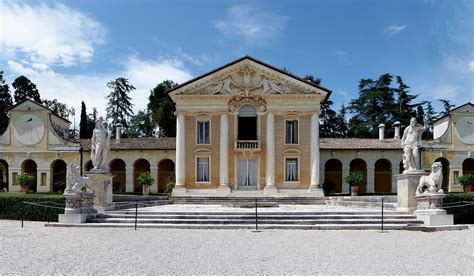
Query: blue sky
x=70, y=49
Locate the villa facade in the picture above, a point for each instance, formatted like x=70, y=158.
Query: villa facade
x=246, y=126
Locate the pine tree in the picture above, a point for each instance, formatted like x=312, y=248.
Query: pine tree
x=341, y=123
x=91, y=120
x=25, y=89
x=447, y=107
x=162, y=108
x=83, y=124
x=57, y=107
x=405, y=109
x=5, y=103
x=140, y=125
x=119, y=107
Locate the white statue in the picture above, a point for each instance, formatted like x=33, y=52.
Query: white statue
x=431, y=184
x=411, y=140
x=75, y=183
x=100, y=146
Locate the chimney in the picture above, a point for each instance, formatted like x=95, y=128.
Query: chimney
x=397, y=125
x=381, y=132
x=118, y=133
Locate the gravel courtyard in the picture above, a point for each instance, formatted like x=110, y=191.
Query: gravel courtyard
x=48, y=250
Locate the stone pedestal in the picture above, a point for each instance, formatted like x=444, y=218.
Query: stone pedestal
x=270, y=190
x=406, y=188
x=79, y=206
x=101, y=184
x=316, y=190
x=429, y=210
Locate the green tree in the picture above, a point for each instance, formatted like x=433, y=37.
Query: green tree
x=375, y=105
x=312, y=79
x=59, y=108
x=119, y=107
x=162, y=108
x=25, y=89
x=91, y=119
x=5, y=103
x=84, y=123
x=140, y=125
x=447, y=107
x=341, y=123
x=405, y=108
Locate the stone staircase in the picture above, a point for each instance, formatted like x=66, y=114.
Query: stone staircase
x=324, y=220
x=390, y=202
x=237, y=201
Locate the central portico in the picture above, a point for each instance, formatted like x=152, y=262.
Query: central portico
x=248, y=126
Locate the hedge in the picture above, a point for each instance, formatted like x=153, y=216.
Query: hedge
x=462, y=215
x=12, y=206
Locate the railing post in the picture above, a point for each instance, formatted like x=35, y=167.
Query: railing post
x=23, y=213
x=256, y=215
x=136, y=214
x=382, y=214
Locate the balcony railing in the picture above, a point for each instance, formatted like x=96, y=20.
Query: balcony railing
x=247, y=144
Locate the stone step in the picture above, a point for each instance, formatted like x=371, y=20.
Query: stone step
x=357, y=204
x=260, y=213
x=249, y=226
x=252, y=217
x=262, y=221
x=234, y=201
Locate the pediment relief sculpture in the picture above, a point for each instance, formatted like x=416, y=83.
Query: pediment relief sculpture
x=246, y=82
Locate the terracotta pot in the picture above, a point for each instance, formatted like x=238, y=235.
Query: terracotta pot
x=354, y=190
x=468, y=188
x=146, y=190
x=25, y=188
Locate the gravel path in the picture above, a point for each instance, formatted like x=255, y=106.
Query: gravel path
x=48, y=250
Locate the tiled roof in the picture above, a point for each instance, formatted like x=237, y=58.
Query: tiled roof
x=136, y=144
x=170, y=143
x=358, y=143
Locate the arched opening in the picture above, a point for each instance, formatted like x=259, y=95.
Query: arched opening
x=58, y=172
x=359, y=165
x=445, y=164
x=141, y=165
x=88, y=166
x=400, y=167
x=383, y=176
x=468, y=166
x=117, y=167
x=29, y=166
x=333, y=174
x=3, y=176
x=165, y=174
x=247, y=125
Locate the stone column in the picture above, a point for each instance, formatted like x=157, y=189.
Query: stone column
x=224, y=155
x=129, y=179
x=314, y=186
x=270, y=155
x=180, y=155
x=154, y=174
x=345, y=172
x=370, y=180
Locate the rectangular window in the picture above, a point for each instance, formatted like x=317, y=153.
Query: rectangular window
x=202, y=169
x=291, y=167
x=292, y=132
x=43, y=179
x=203, y=132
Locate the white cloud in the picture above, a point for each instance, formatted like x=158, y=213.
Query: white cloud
x=92, y=89
x=52, y=35
x=470, y=66
x=252, y=25
x=395, y=29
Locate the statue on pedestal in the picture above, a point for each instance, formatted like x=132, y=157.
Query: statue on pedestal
x=411, y=140
x=431, y=184
x=100, y=146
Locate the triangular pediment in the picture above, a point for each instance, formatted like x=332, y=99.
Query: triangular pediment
x=27, y=105
x=248, y=77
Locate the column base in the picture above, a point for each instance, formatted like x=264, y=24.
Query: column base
x=223, y=189
x=270, y=190
x=178, y=190
x=316, y=190
x=73, y=218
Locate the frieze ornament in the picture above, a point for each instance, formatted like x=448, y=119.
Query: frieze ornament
x=237, y=101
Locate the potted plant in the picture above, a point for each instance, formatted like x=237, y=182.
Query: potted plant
x=26, y=181
x=146, y=180
x=467, y=181
x=354, y=179
x=169, y=187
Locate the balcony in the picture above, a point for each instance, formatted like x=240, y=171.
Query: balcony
x=247, y=145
